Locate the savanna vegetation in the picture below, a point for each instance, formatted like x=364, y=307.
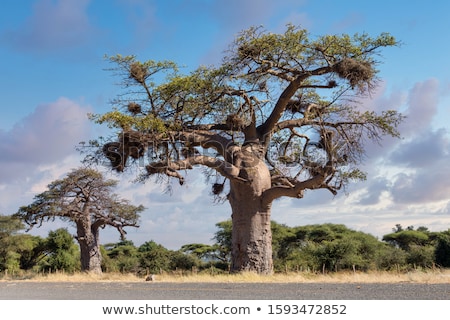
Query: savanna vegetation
x=281, y=116
x=324, y=248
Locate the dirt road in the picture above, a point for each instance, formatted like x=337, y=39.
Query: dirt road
x=24, y=290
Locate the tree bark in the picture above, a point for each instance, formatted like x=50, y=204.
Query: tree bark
x=251, y=233
x=91, y=258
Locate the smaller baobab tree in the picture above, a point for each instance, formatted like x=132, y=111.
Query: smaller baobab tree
x=84, y=198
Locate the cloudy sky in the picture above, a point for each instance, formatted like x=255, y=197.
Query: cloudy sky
x=52, y=73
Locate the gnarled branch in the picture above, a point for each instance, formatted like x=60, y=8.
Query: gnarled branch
x=171, y=168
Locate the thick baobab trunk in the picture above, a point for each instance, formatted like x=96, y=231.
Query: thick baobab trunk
x=251, y=232
x=91, y=258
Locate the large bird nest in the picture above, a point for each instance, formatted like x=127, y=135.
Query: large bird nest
x=217, y=188
x=358, y=73
x=248, y=51
x=138, y=72
x=129, y=145
x=134, y=108
x=294, y=106
x=235, y=122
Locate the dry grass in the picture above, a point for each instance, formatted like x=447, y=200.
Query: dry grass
x=340, y=277
x=430, y=276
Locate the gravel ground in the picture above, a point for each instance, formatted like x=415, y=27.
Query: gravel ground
x=23, y=290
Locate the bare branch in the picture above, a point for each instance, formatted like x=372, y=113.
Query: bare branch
x=171, y=168
x=289, y=187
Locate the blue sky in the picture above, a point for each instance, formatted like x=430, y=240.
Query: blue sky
x=52, y=73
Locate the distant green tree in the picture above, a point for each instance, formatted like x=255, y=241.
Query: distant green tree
x=404, y=239
x=204, y=252
x=368, y=249
x=124, y=257
x=421, y=256
x=223, y=238
x=321, y=232
x=442, y=250
x=18, y=251
x=391, y=258
x=62, y=252
x=280, y=232
x=418, y=245
x=10, y=225
x=21, y=252
x=337, y=254
x=32, y=249
x=423, y=229
x=154, y=257
x=398, y=227
x=328, y=247
x=183, y=261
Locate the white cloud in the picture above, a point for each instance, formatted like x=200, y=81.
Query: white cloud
x=423, y=101
x=424, y=150
x=38, y=149
x=45, y=136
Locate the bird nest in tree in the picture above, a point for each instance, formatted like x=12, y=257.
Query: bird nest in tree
x=134, y=108
x=235, y=122
x=130, y=145
x=294, y=106
x=217, y=188
x=248, y=51
x=138, y=72
x=356, y=72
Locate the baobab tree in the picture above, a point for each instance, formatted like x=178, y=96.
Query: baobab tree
x=84, y=198
x=279, y=116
